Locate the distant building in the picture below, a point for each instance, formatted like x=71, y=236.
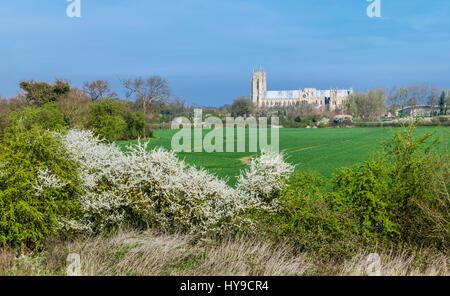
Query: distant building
x=330, y=99
x=419, y=110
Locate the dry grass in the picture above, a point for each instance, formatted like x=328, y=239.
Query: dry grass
x=147, y=253
x=7, y=260
x=426, y=263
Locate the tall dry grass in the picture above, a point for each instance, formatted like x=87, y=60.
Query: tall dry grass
x=148, y=253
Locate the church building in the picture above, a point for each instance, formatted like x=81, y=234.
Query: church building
x=325, y=100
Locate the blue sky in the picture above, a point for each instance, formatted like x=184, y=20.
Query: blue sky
x=207, y=49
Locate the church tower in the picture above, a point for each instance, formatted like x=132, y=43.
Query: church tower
x=259, y=86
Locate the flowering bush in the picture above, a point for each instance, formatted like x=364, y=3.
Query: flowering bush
x=154, y=188
x=266, y=177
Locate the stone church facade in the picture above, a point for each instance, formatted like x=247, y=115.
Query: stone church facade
x=330, y=99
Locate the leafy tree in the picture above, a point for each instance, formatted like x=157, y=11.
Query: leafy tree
x=447, y=103
x=242, y=106
x=350, y=106
x=113, y=120
x=135, y=125
x=48, y=117
x=105, y=119
x=40, y=93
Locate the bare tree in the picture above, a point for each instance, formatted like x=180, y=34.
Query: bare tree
x=422, y=93
x=433, y=98
x=403, y=97
x=393, y=98
x=99, y=89
x=75, y=106
x=371, y=105
x=152, y=89
x=413, y=91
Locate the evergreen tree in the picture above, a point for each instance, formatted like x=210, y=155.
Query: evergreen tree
x=442, y=103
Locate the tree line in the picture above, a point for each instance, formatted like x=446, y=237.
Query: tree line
x=95, y=106
x=420, y=94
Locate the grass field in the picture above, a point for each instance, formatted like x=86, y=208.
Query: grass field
x=321, y=150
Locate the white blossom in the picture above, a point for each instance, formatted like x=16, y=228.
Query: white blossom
x=157, y=187
x=46, y=180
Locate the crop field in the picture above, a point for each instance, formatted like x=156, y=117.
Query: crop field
x=321, y=150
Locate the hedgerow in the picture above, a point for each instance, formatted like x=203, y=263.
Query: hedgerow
x=54, y=183
x=399, y=197
x=155, y=189
x=304, y=218
x=390, y=194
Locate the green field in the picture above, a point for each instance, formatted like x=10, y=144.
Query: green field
x=321, y=150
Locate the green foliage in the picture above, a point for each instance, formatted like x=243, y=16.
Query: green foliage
x=363, y=188
x=305, y=218
x=350, y=106
x=48, y=117
x=444, y=102
x=4, y=115
x=367, y=106
x=241, y=106
x=30, y=206
x=110, y=127
x=412, y=161
x=390, y=194
x=398, y=197
x=298, y=121
x=111, y=119
x=135, y=124
x=40, y=93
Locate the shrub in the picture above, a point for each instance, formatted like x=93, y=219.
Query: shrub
x=48, y=117
x=395, y=194
x=38, y=186
x=136, y=126
x=5, y=109
x=266, y=177
x=105, y=119
x=75, y=106
x=363, y=188
x=110, y=127
x=154, y=189
x=412, y=161
x=111, y=119
x=148, y=132
x=437, y=211
x=306, y=219
x=399, y=197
